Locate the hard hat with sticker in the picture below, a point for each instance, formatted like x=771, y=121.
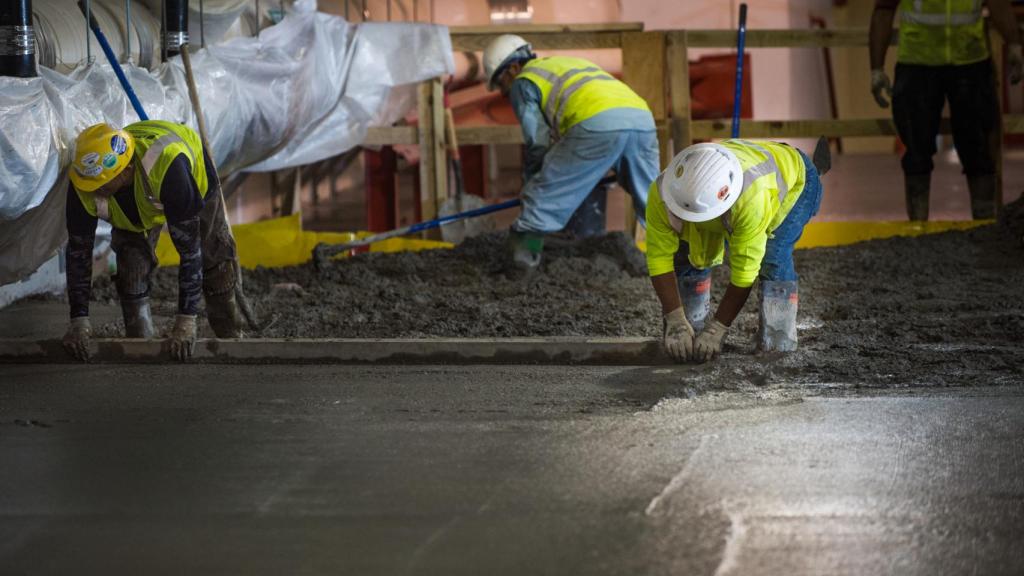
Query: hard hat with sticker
x=118, y=144
x=90, y=159
x=109, y=160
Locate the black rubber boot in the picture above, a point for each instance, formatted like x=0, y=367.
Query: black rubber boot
x=224, y=314
x=917, y=188
x=983, y=196
x=138, y=321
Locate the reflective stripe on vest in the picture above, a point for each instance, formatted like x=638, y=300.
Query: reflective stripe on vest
x=763, y=169
x=917, y=16
x=942, y=32
x=156, y=149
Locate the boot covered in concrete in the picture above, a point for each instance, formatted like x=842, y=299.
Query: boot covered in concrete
x=983, y=196
x=224, y=314
x=918, y=188
x=525, y=250
x=695, y=292
x=777, y=329
x=138, y=320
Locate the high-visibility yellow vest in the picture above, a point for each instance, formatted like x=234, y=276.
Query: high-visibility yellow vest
x=941, y=32
x=157, y=144
x=573, y=90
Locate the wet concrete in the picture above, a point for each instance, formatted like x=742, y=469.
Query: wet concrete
x=499, y=470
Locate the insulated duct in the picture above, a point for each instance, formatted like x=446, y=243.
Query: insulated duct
x=61, y=33
x=176, y=27
x=17, y=39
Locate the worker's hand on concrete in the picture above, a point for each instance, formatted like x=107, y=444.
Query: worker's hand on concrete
x=709, y=342
x=76, y=339
x=678, y=335
x=1015, y=61
x=183, y=337
x=881, y=87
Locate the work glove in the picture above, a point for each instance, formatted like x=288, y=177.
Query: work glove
x=709, y=342
x=183, y=337
x=1015, y=59
x=76, y=339
x=678, y=335
x=880, y=84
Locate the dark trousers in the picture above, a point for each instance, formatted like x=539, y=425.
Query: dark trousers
x=136, y=255
x=917, y=100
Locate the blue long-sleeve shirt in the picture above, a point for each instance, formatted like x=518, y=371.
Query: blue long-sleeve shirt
x=526, y=98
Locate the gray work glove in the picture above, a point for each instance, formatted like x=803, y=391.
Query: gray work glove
x=880, y=87
x=678, y=335
x=183, y=337
x=76, y=339
x=709, y=342
x=1015, y=62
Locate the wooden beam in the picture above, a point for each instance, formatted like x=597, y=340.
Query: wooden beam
x=541, y=40
x=385, y=135
x=840, y=38
x=521, y=29
x=439, y=143
x=643, y=69
x=678, y=62
x=470, y=135
x=722, y=128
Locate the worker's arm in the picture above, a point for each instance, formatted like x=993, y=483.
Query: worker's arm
x=1002, y=17
x=182, y=204
x=662, y=245
x=81, y=238
x=880, y=31
x=525, y=98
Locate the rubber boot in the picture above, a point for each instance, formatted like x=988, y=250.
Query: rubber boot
x=777, y=327
x=224, y=315
x=695, y=293
x=589, y=219
x=983, y=196
x=138, y=321
x=525, y=249
x=917, y=188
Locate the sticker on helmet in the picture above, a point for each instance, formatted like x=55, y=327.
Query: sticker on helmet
x=90, y=159
x=723, y=193
x=109, y=159
x=679, y=170
x=118, y=144
x=89, y=171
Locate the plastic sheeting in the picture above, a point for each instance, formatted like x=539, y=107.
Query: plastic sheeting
x=305, y=89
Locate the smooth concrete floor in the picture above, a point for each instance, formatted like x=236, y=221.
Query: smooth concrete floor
x=498, y=470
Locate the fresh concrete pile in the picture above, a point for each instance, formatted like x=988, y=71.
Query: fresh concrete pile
x=935, y=310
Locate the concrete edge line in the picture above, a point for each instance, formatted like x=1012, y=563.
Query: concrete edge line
x=557, y=351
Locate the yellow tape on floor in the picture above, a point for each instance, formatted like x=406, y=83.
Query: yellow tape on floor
x=283, y=242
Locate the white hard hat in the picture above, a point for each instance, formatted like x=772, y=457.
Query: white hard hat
x=702, y=182
x=497, y=53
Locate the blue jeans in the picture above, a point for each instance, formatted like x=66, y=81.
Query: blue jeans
x=576, y=163
x=777, y=265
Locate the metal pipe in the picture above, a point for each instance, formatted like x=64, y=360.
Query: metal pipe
x=176, y=33
x=257, y=17
x=741, y=39
x=88, y=19
x=163, y=29
x=128, y=30
x=346, y=10
x=17, y=39
x=389, y=10
x=202, y=25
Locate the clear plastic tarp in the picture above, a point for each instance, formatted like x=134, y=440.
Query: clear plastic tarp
x=306, y=89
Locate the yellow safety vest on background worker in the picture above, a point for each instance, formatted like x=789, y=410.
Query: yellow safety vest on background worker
x=573, y=90
x=157, y=144
x=759, y=210
x=942, y=32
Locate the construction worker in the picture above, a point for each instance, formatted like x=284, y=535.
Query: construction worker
x=578, y=122
x=150, y=173
x=754, y=196
x=944, y=55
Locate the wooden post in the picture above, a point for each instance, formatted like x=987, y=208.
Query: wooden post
x=679, y=91
x=428, y=194
x=643, y=69
x=996, y=143
x=439, y=142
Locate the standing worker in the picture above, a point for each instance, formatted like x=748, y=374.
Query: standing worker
x=755, y=196
x=944, y=55
x=152, y=172
x=578, y=122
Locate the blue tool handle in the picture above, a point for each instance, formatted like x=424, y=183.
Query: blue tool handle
x=429, y=224
x=114, y=64
x=738, y=98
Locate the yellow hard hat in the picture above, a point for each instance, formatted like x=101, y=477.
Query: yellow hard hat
x=101, y=153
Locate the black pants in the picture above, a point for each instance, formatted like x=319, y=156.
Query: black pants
x=917, y=100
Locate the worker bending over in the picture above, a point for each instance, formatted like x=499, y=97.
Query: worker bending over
x=944, y=55
x=754, y=196
x=578, y=123
x=152, y=172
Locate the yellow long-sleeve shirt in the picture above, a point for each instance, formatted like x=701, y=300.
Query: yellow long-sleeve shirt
x=756, y=213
